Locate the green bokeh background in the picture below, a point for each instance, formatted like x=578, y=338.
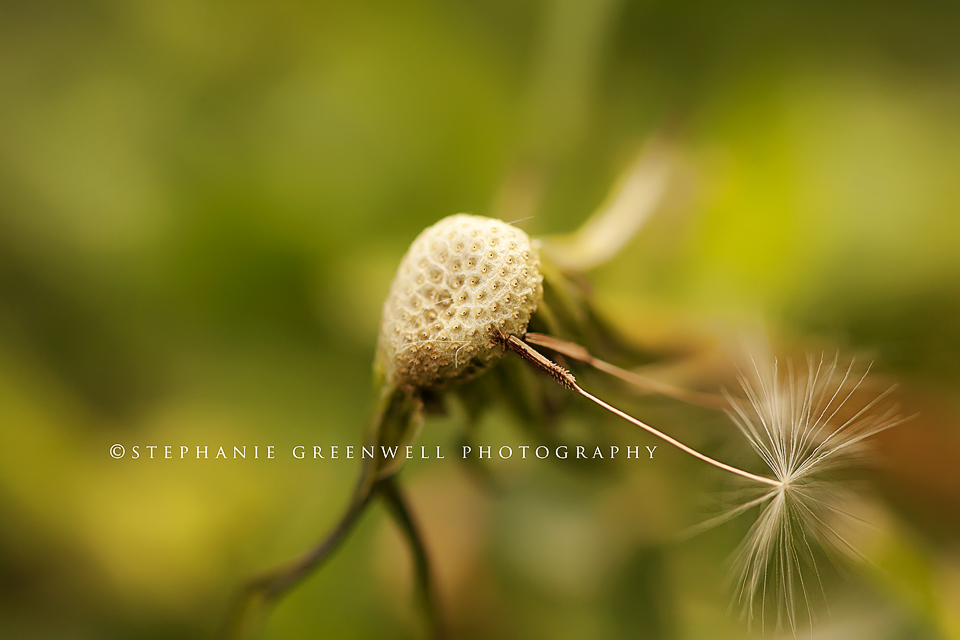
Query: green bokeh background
x=201, y=208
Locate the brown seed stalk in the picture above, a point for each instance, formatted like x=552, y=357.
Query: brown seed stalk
x=566, y=380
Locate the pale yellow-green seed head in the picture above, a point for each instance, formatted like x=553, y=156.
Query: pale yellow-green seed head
x=463, y=280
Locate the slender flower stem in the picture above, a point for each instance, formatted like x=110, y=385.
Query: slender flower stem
x=252, y=604
x=397, y=504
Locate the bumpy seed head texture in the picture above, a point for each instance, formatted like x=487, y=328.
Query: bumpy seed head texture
x=463, y=280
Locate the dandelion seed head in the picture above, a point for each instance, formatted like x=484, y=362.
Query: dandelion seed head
x=801, y=424
x=450, y=295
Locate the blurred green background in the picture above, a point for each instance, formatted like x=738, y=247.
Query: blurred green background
x=201, y=208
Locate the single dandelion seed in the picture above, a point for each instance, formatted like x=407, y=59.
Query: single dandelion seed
x=793, y=422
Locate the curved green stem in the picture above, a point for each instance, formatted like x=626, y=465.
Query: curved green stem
x=400, y=510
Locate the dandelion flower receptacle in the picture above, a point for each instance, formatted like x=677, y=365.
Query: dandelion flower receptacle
x=462, y=280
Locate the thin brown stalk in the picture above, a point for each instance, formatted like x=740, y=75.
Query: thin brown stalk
x=676, y=443
x=565, y=379
x=577, y=352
